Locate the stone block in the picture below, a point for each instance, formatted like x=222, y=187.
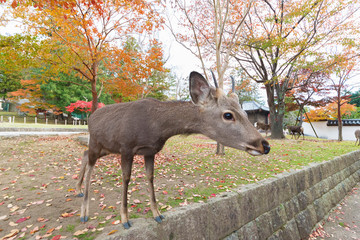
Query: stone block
x=248, y=232
x=290, y=231
x=278, y=217
x=305, y=221
x=224, y=214
x=292, y=208
x=264, y=226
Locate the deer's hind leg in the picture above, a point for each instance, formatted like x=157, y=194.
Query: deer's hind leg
x=84, y=162
x=92, y=158
x=126, y=165
x=149, y=165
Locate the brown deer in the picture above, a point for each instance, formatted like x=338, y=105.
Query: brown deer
x=142, y=127
x=357, y=136
x=262, y=126
x=296, y=130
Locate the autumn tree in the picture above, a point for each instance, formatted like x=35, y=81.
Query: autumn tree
x=331, y=111
x=14, y=58
x=309, y=89
x=210, y=31
x=280, y=35
x=341, y=74
x=81, y=36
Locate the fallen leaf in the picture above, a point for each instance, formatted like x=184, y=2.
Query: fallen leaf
x=112, y=232
x=12, y=224
x=57, y=237
x=79, y=232
x=116, y=222
x=22, y=219
x=40, y=219
x=65, y=215
x=12, y=233
x=36, y=229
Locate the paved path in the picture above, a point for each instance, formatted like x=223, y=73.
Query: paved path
x=17, y=134
x=343, y=222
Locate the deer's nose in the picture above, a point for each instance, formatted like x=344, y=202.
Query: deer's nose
x=266, y=147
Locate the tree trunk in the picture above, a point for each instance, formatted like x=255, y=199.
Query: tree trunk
x=277, y=112
x=220, y=149
x=340, y=138
x=277, y=126
x=94, y=96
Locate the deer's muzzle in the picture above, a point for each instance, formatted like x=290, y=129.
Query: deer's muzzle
x=264, y=149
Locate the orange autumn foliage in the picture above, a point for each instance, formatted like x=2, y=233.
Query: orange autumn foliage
x=88, y=37
x=329, y=112
x=31, y=92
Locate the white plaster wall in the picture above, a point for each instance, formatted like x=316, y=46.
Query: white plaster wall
x=329, y=132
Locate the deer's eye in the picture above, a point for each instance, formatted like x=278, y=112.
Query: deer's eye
x=228, y=116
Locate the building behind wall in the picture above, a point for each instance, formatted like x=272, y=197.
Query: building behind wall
x=329, y=129
x=256, y=112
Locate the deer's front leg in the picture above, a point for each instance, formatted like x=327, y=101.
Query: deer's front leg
x=149, y=165
x=84, y=214
x=84, y=162
x=126, y=164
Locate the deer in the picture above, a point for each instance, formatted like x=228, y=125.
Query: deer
x=357, y=136
x=263, y=126
x=142, y=127
x=296, y=130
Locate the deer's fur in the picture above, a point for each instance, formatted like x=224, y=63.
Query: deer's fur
x=357, y=136
x=263, y=126
x=296, y=130
x=142, y=127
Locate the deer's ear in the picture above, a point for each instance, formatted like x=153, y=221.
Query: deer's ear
x=199, y=88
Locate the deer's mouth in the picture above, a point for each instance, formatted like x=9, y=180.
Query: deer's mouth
x=265, y=149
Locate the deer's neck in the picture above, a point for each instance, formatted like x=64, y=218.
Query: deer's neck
x=180, y=118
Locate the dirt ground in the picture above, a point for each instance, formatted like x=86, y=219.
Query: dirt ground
x=37, y=190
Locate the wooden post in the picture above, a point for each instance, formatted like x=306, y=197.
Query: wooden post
x=65, y=122
x=24, y=120
x=35, y=120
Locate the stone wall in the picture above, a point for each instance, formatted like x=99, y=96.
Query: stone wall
x=286, y=207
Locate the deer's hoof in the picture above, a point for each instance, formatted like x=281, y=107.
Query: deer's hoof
x=84, y=219
x=127, y=225
x=159, y=218
x=80, y=195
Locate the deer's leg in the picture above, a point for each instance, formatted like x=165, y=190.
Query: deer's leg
x=149, y=166
x=84, y=214
x=126, y=164
x=84, y=161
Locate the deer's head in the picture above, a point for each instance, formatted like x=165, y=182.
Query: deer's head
x=223, y=119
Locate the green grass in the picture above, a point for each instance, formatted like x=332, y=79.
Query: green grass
x=189, y=171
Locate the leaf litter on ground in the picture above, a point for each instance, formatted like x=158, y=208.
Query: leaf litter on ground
x=38, y=177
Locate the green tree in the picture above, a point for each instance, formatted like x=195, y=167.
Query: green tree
x=9, y=82
x=67, y=89
x=355, y=98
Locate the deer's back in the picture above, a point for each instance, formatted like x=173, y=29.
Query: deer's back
x=134, y=125
x=357, y=133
